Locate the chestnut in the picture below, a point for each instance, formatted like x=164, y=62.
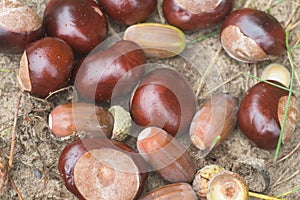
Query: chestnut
x=95, y=168
x=250, y=35
x=80, y=23
x=163, y=99
x=261, y=114
x=70, y=117
x=196, y=14
x=113, y=71
x=166, y=155
x=128, y=12
x=19, y=26
x=45, y=66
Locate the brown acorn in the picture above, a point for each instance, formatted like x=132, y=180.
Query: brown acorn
x=166, y=155
x=70, y=117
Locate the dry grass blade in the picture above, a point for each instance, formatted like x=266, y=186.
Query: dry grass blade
x=207, y=71
x=289, y=154
x=12, y=147
x=13, y=133
x=15, y=188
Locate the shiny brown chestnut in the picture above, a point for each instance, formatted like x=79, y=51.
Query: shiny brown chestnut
x=250, y=35
x=80, y=23
x=261, y=112
x=67, y=118
x=45, y=66
x=128, y=12
x=197, y=14
x=112, y=72
x=166, y=155
x=94, y=168
x=19, y=26
x=163, y=99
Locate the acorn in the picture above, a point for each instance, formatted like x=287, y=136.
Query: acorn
x=68, y=118
x=227, y=185
x=165, y=155
x=216, y=118
x=122, y=123
x=202, y=177
x=175, y=191
x=149, y=37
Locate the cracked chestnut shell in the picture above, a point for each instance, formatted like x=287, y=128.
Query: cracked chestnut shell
x=95, y=168
x=110, y=73
x=80, y=23
x=45, y=66
x=163, y=99
x=196, y=14
x=250, y=35
x=128, y=12
x=19, y=26
x=261, y=115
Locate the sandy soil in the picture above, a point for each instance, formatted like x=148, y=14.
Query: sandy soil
x=37, y=151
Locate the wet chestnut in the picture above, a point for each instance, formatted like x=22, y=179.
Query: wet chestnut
x=196, y=14
x=112, y=72
x=163, y=99
x=96, y=168
x=19, y=26
x=45, y=66
x=261, y=115
x=250, y=35
x=128, y=12
x=80, y=23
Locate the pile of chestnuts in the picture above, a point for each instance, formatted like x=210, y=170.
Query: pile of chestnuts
x=57, y=51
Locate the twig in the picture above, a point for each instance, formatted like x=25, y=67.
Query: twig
x=291, y=15
x=159, y=10
x=289, y=178
x=289, y=154
x=58, y=91
x=207, y=71
x=217, y=87
x=15, y=188
x=13, y=133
